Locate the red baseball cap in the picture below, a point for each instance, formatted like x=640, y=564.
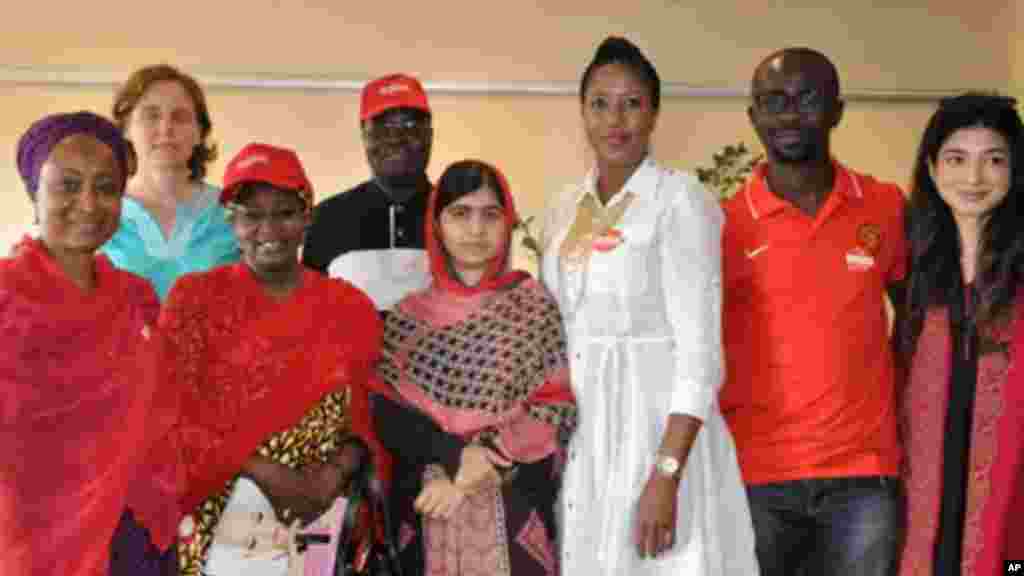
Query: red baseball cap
x=392, y=91
x=279, y=167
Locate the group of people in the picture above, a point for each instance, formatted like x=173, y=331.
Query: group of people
x=194, y=377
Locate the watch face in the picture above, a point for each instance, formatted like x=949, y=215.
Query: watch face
x=667, y=465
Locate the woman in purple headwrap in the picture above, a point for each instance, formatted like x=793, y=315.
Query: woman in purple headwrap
x=79, y=411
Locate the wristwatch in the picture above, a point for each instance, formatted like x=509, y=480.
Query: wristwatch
x=667, y=465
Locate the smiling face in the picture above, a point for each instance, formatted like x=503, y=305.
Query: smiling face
x=618, y=116
x=473, y=233
x=164, y=127
x=972, y=172
x=398, y=144
x=795, y=106
x=78, y=202
x=270, y=225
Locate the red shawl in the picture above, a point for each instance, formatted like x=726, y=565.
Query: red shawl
x=505, y=320
x=252, y=366
x=994, y=519
x=79, y=375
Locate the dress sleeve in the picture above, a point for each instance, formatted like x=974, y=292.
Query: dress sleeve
x=690, y=252
x=364, y=331
x=413, y=437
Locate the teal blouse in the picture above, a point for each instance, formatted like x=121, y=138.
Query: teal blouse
x=201, y=239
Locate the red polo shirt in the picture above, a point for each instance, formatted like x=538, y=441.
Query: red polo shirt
x=810, y=385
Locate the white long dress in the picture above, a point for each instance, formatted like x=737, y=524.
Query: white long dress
x=642, y=312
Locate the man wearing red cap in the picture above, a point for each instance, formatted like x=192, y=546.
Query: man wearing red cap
x=372, y=235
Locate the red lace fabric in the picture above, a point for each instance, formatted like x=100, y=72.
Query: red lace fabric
x=994, y=518
x=252, y=366
x=79, y=375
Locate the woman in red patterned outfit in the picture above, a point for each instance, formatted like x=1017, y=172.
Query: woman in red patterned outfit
x=265, y=351
x=478, y=405
x=964, y=403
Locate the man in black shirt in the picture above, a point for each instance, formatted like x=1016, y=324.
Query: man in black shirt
x=372, y=235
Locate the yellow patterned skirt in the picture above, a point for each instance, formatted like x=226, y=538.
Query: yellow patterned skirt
x=311, y=441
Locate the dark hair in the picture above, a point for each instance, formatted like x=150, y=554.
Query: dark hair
x=934, y=241
x=618, y=50
x=465, y=177
x=129, y=94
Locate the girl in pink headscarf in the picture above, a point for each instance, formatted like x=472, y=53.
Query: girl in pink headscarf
x=478, y=405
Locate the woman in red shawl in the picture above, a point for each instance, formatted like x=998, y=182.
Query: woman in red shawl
x=963, y=407
x=78, y=361
x=265, y=350
x=478, y=404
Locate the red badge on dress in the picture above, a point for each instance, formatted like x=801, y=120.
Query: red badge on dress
x=607, y=240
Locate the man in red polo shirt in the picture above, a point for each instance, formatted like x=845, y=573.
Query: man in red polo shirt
x=810, y=248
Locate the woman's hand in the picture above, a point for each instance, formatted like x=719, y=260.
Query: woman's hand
x=286, y=489
x=327, y=481
x=324, y=483
x=439, y=499
x=655, y=529
x=478, y=468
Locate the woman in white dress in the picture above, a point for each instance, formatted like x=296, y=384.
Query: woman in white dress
x=632, y=254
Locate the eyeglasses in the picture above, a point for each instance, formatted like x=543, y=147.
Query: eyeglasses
x=396, y=129
x=254, y=218
x=776, y=102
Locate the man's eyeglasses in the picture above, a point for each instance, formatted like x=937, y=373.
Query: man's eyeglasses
x=398, y=128
x=776, y=102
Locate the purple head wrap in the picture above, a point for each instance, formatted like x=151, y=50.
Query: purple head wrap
x=38, y=141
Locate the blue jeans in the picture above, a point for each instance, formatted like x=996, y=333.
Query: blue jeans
x=835, y=526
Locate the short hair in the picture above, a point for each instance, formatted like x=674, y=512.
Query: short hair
x=129, y=94
x=618, y=50
x=805, y=52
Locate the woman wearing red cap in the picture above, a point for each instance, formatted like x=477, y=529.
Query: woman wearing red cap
x=264, y=350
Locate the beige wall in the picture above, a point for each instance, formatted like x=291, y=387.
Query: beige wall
x=1016, y=46
x=536, y=139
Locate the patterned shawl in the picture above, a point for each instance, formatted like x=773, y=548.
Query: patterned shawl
x=994, y=518
x=487, y=362
x=78, y=411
